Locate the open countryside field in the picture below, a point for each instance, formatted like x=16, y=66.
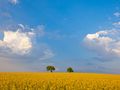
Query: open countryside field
x=58, y=81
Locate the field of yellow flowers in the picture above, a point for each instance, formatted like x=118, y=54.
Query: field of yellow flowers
x=58, y=81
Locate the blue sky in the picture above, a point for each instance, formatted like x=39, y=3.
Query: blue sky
x=63, y=33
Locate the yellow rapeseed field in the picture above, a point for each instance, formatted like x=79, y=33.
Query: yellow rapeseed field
x=58, y=81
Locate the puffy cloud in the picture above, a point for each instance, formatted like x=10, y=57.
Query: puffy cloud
x=17, y=42
x=20, y=39
x=105, y=43
x=106, y=48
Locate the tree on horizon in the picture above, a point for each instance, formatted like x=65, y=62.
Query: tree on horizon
x=50, y=68
x=70, y=69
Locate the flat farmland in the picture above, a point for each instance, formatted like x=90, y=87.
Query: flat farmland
x=58, y=81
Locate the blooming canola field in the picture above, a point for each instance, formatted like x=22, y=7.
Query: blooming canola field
x=58, y=81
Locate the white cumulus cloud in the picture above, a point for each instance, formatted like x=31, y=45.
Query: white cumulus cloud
x=106, y=43
x=17, y=42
